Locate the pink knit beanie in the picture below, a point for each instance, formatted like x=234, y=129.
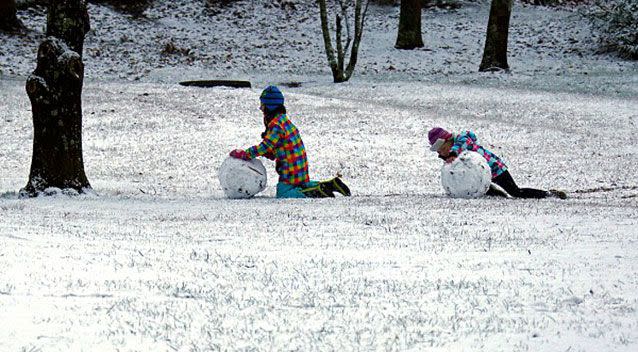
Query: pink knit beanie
x=437, y=136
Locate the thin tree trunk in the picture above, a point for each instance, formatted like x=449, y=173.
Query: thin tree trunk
x=341, y=55
x=337, y=61
x=330, y=53
x=495, y=53
x=359, y=21
x=9, y=21
x=55, y=89
x=409, y=36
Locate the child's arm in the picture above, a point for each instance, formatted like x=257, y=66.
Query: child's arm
x=267, y=146
x=462, y=142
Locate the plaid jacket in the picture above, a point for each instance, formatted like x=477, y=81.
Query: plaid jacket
x=467, y=141
x=283, y=143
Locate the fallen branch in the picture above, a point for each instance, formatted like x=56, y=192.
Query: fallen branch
x=216, y=83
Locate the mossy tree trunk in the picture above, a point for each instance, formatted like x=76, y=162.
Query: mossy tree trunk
x=495, y=53
x=55, y=89
x=69, y=21
x=9, y=21
x=409, y=36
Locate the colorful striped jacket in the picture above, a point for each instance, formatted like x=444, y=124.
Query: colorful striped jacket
x=283, y=143
x=467, y=141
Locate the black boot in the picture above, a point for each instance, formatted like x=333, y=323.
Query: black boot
x=321, y=190
x=336, y=185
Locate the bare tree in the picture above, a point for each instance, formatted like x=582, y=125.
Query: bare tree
x=55, y=89
x=9, y=21
x=340, y=72
x=409, y=36
x=495, y=53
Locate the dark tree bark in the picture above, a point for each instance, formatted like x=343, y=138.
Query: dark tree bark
x=409, y=36
x=495, y=53
x=69, y=21
x=55, y=89
x=9, y=21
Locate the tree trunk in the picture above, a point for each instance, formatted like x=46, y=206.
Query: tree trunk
x=337, y=61
x=337, y=72
x=9, y=21
x=409, y=36
x=495, y=53
x=359, y=20
x=55, y=89
x=69, y=21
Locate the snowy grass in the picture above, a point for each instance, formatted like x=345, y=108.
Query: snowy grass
x=161, y=261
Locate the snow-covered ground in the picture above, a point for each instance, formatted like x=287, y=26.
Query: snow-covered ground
x=257, y=40
x=161, y=261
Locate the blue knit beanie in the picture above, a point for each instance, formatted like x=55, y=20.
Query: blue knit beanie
x=272, y=98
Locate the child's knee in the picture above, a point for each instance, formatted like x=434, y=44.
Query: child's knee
x=289, y=191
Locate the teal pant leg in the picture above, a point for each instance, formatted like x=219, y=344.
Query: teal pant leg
x=289, y=191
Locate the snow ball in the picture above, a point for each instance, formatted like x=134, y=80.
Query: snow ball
x=468, y=176
x=242, y=178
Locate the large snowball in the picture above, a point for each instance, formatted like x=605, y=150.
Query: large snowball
x=242, y=178
x=468, y=176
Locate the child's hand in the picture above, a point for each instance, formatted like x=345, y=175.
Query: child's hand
x=239, y=154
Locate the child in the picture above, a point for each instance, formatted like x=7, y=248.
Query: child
x=282, y=143
x=450, y=145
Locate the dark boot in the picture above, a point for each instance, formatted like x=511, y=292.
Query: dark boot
x=336, y=185
x=321, y=190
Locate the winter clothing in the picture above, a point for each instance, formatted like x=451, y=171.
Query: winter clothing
x=506, y=181
x=239, y=154
x=467, y=141
x=500, y=175
x=272, y=98
x=326, y=189
x=437, y=136
x=313, y=189
x=283, y=143
x=285, y=190
x=337, y=185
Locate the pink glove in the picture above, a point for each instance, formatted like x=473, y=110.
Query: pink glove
x=239, y=154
